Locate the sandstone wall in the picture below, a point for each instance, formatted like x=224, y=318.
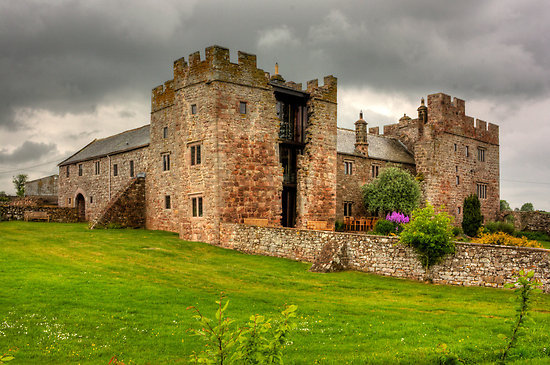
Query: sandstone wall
x=472, y=264
x=529, y=221
x=57, y=214
x=98, y=189
x=127, y=209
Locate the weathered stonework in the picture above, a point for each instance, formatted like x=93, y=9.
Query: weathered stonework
x=471, y=265
x=44, y=188
x=528, y=221
x=57, y=214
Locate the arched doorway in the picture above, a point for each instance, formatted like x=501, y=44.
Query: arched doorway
x=81, y=207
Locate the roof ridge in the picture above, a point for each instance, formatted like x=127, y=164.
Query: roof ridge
x=126, y=131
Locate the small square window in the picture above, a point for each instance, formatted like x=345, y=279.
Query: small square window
x=165, y=132
x=115, y=169
x=132, y=168
x=348, y=209
x=196, y=155
x=80, y=169
x=242, y=107
x=481, y=154
x=375, y=170
x=166, y=162
x=194, y=109
x=196, y=206
x=348, y=168
x=167, y=202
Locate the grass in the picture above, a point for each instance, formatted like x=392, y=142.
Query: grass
x=71, y=295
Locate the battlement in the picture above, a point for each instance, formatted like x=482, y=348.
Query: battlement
x=325, y=92
x=162, y=96
x=446, y=115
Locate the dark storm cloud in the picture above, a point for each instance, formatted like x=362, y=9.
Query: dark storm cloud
x=70, y=56
x=28, y=151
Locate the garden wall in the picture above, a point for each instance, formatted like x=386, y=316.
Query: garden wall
x=471, y=265
x=529, y=221
x=57, y=214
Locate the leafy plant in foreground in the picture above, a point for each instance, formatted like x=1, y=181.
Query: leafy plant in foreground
x=5, y=358
x=430, y=234
x=262, y=341
x=525, y=285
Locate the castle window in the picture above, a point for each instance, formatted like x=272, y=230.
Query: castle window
x=115, y=170
x=347, y=209
x=166, y=162
x=69, y=200
x=375, y=170
x=242, y=107
x=196, y=206
x=167, y=202
x=348, y=167
x=467, y=151
x=79, y=169
x=194, y=109
x=91, y=199
x=481, y=190
x=131, y=168
x=456, y=147
x=97, y=168
x=196, y=154
x=457, y=180
x=481, y=154
x=456, y=169
x=458, y=210
x=67, y=170
x=165, y=132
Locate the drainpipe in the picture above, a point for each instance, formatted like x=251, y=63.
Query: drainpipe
x=109, y=157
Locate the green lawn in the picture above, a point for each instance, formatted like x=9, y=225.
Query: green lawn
x=70, y=295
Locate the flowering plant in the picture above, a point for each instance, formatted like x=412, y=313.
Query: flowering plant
x=398, y=218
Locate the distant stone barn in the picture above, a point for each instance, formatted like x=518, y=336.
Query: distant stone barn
x=230, y=143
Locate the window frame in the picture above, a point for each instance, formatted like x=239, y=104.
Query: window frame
x=115, y=169
x=67, y=173
x=375, y=170
x=167, y=202
x=97, y=167
x=243, y=107
x=348, y=167
x=165, y=132
x=80, y=170
x=195, y=154
x=481, y=154
x=348, y=209
x=481, y=190
x=193, y=109
x=165, y=161
x=132, y=168
x=197, y=206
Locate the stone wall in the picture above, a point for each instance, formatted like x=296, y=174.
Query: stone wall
x=98, y=189
x=471, y=265
x=57, y=214
x=528, y=221
x=126, y=209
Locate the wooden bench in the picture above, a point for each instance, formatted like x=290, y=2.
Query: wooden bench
x=40, y=216
x=261, y=222
x=319, y=226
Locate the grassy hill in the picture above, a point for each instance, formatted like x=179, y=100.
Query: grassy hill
x=71, y=295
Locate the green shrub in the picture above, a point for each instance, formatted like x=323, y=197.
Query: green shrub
x=532, y=235
x=430, y=234
x=471, y=217
x=493, y=227
x=261, y=341
x=457, y=231
x=384, y=227
x=527, y=207
x=339, y=226
x=394, y=190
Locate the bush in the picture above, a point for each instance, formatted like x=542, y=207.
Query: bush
x=493, y=227
x=384, y=227
x=471, y=217
x=393, y=190
x=339, y=226
x=430, y=234
x=504, y=239
x=532, y=235
x=457, y=231
x=527, y=207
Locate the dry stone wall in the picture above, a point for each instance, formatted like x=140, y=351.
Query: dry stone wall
x=471, y=265
x=57, y=214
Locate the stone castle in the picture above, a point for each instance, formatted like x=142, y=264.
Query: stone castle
x=229, y=143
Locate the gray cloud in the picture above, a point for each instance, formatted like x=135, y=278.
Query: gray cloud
x=28, y=151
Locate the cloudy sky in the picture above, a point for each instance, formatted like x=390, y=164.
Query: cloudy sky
x=72, y=71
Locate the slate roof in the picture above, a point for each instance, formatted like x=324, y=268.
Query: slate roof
x=380, y=147
x=125, y=141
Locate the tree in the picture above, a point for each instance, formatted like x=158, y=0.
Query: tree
x=471, y=217
x=504, y=206
x=19, y=184
x=394, y=190
x=527, y=207
x=3, y=196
